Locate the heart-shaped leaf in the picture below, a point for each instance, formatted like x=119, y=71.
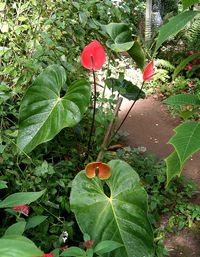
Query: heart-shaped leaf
x=125, y=88
x=121, y=217
x=186, y=142
x=121, y=37
x=43, y=112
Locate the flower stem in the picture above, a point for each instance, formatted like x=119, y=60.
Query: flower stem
x=122, y=122
x=94, y=111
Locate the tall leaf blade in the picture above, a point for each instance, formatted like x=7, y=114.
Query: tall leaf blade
x=186, y=140
x=43, y=113
x=122, y=217
x=174, y=25
x=20, y=198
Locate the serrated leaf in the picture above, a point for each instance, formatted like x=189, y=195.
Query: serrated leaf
x=184, y=63
x=73, y=251
x=125, y=88
x=137, y=54
x=106, y=247
x=16, y=229
x=35, y=221
x=174, y=25
x=121, y=37
x=18, y=246
x=43, y=113
x=186, y=140
x=122, y=217
x=173, y=166
x=20, y=199
x=188, y=3
x=182, y=99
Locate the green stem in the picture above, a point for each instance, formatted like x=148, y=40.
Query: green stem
x=122, y=122
x=94, y=110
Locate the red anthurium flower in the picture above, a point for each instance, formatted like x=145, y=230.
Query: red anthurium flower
x=98, y=168
x=24, y=209
x=148, y=72
x=48, y=255
x=93, y=56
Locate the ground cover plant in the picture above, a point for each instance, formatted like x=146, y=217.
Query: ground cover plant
x=53, y=124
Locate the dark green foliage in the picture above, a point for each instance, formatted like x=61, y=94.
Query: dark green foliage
x=192, y=35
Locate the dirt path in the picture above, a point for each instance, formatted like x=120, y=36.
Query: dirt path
x=151, y=126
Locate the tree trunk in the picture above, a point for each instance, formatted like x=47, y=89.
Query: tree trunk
x=148, y=31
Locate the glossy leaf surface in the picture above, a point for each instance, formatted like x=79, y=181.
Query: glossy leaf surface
x=121, y=217
x=18, y=246
x=20, y=198
x=106, y=247
x=121, y=37
x=174, y=25
x=173, y=166
x=137, y=54
x=186, y=142
x=43, y=112
x=35, y=221
x=125, y=88
x=16, y=229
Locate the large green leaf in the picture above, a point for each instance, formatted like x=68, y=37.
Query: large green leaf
x=18, y=246
x=16, y=229
x=43, y=112
x=20, y=198
x=125, y=88
x=137, y=54
x=35, y=221
x=184, y=63
x=121, y=37
x=173, y=166
x=174, y=25
x=182, y=99
x=186, y=141
x=121, y=217
x=188, y=3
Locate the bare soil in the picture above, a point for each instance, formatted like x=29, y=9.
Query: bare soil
x=150, y=126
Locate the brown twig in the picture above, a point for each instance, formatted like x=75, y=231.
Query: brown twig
x=109, y=130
